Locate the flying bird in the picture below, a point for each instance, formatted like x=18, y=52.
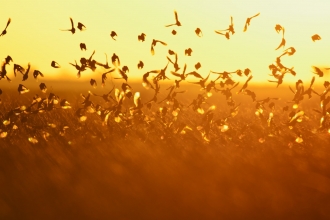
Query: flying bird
x=140, y=65
x=188, y=52
x=199, y=32
x=318, y=71
x=43, y=87
x=248, y=20
x=72, y=30
x=141, y=37
x=37, y=73
x=278, y=28
x=316, y=37
x=177, y=22
x=153, y=44
x=113, y=35
x=282, y=44
x=81, y=27
x=22, y=89
x=83, y=46
x=55, y=64
x=5, y=30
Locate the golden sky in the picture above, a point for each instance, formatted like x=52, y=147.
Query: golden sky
x=34, y=35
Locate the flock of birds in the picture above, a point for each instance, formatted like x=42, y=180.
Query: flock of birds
x=166, y=114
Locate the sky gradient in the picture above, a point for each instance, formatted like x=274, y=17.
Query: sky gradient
x=34, y=35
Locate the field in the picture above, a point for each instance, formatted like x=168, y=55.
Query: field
x=154, y=170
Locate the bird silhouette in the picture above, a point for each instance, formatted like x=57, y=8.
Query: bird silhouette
x=282, y=44
x=82, y=46
x=115, y=60
x=177, y=22
x=81, y=27
x=141, y=37
x=278, y=28
x=93, y=83
x=5, y=30
x=140, y=65
x=198, y=65
x=26, y=74
x=199, y=32
x=316, y=37
x=248, y=20
x=104, y=76
x=22, y=89
x=245, y=85
x=188, y=52
x=318, y=71
x=113, y=34
x=72, y=30
x=55, y=64
x=43, y=87
x=153, y=44
x=225, y=34
x=37, y=73
x=18, y=68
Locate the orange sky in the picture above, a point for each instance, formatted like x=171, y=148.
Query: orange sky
x=34, y=35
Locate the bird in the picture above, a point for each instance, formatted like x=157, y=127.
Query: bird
x=245, y=85
x=140, y=65
x=55, y=64
x=282, y=44
x=104, y=76
x=199, y=32
x=5, y=30
x=177, y=22
x=113, y=34
x=115, y=60
x=248, y=20
x=81, y=27
x=26, y=74
x=225, y=34
x=141, y=37
x=22, y=89
x=251, y=94
x=18, y=68
x=36, y=73
x=289, y=51
x=43, y=87
x=188, y=52
x=72, y=30
x=278, y=28
x=316, y=37
x=153, y=44
x=318, y=71
x=198, y=65
x=83, y=46
x=93, y=83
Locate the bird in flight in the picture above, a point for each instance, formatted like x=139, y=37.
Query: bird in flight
x=278, y=28
x=153, y=44
x=113, y=35
x=55, y=64
x=73, y=30
x=248, y=20
x=316, y=37
x=5, y=30
x=282, y=44
x=177, y=22
x=83, y=46
x=142, y=37
x=199, y=32
x=81, y=27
